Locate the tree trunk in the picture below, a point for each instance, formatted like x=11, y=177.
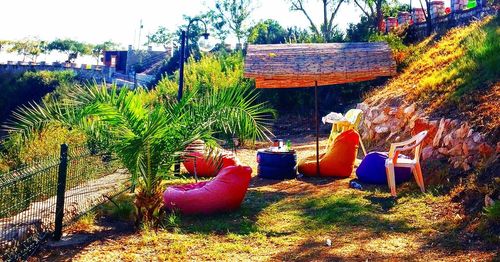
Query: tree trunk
x=379, y=16
x=429, y=19
x=148, y=207
x=325, y=22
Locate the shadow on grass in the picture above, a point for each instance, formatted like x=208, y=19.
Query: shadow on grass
x=309, y=250
x=384, y=203
x=114, y=230
x=241, y=222
x=348, y=212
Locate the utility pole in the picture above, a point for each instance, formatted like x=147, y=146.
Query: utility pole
x=140, y=30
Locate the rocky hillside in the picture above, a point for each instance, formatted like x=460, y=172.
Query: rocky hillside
x=451, y=87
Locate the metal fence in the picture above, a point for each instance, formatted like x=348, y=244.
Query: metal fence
x=38, y=200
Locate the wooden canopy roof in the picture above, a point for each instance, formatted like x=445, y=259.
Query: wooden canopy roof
x=299, y=65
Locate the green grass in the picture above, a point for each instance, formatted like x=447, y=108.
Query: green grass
x=279, y=223
x=478, y=68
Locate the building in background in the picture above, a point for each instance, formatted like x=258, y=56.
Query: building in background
x=134, y=61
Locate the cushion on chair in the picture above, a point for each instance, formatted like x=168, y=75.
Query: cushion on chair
x=372, y=170
x=339, y=159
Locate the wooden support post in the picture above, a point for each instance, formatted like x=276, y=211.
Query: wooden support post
x=316, y=116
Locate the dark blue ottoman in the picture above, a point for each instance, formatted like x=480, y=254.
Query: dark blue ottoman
x=276, y=165
x=372, y=170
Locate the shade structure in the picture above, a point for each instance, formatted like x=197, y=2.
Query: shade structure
x=300, y=65
x=307, y=65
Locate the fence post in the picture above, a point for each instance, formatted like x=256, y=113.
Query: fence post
x=61, y=188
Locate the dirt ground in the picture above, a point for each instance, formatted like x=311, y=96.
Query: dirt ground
x=293, y=220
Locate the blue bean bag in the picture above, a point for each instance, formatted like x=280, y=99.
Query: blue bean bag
x=372, y=170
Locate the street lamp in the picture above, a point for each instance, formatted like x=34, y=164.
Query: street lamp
x=204, y=44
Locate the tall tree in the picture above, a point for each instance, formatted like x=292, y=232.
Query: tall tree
x=98, y=49
x=373, y=10
x=327, y=30
x=70, y=47
x=298, y=35
x=235, y=13
x=162, y=37
x=27, y=47
x=4, y=43
x=267, y=32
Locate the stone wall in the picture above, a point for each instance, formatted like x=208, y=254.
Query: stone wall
x=87, y=72
x=448, y=138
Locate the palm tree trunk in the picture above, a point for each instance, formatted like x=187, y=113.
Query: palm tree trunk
x=148, y=206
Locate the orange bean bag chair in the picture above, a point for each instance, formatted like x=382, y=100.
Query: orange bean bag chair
x=224, y=193
x=208, y=167
x=338, y=161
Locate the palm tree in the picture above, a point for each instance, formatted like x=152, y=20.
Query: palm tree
x=148, y=135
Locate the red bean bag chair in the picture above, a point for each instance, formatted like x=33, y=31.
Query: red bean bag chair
x=208, y=167
x=338, y=161
x=224, y=193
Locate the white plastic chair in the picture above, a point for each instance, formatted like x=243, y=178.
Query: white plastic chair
x=393, y=161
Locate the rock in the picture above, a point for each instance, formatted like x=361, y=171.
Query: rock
x=373, y=112
x=488, y=201
x=390, y=136
x=393, y=112
x=400, y=113
x=371, y=134
x=427, y=152
x=465, y=166
x=69, y=241
x=465, y=149
x=485, y=150
x=329, y=242
x=476, y=137
x=411, y=122
x=443, y=150
x=368, y=124
x=381, y=129
x=456, y=150
x=454, y=123
x=422, y=124
x=394, y=125
x=410, y=109
x=462, y=131
x=439, y=133
x=447, y=139
x=471, y=145
x=363, y=106
x=382, y=118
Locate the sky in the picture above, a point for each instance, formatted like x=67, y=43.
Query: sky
x=96, y=21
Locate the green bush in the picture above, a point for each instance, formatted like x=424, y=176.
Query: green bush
x=493, y=212
x=20, y=88
x=209, y=73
